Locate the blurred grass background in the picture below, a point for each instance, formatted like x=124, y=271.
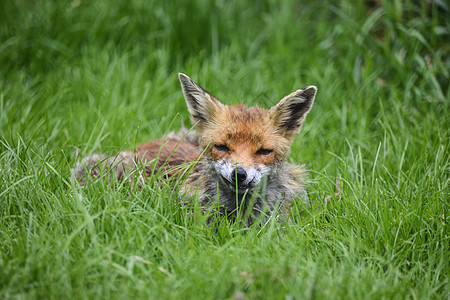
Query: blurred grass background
x=101, y=76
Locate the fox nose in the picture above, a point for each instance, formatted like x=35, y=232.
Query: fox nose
x=240, y=174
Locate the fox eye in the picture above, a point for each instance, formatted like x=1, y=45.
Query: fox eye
x=264, y=151
x=222, y=148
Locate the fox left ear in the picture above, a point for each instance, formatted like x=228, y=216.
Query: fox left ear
x=290, y=113
x=201, y=104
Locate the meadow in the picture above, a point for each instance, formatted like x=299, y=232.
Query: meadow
x=101, y=76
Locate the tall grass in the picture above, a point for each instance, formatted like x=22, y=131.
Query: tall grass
x=101, y=76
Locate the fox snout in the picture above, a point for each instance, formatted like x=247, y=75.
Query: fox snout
x=240, y=175
x=241, y=180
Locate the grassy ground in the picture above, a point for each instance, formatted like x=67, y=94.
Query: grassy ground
x=101, y=76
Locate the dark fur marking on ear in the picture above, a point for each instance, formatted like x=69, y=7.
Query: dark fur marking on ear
x=199, y=117
x=197, y=98
x=298, y=110
x=290, y=113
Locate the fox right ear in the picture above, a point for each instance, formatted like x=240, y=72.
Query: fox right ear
x=288, y=115
x=201, y=105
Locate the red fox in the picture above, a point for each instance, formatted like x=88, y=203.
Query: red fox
x=239, y=155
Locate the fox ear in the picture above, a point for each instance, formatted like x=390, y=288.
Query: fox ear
x=288, y=115
x=201, y=105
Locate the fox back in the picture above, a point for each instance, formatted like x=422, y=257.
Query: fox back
x=239, y=155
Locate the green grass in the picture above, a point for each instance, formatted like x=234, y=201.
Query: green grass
x=101, y=76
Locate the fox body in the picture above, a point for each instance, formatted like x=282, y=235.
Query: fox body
x=238, y=153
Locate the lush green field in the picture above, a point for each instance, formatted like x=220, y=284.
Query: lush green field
x=101, y=76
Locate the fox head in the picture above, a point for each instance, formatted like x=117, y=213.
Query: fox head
x=245, y=144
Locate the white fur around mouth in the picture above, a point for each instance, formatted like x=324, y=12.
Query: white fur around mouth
x=226, y=170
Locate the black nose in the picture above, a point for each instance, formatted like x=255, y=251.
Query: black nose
x=240, y=174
